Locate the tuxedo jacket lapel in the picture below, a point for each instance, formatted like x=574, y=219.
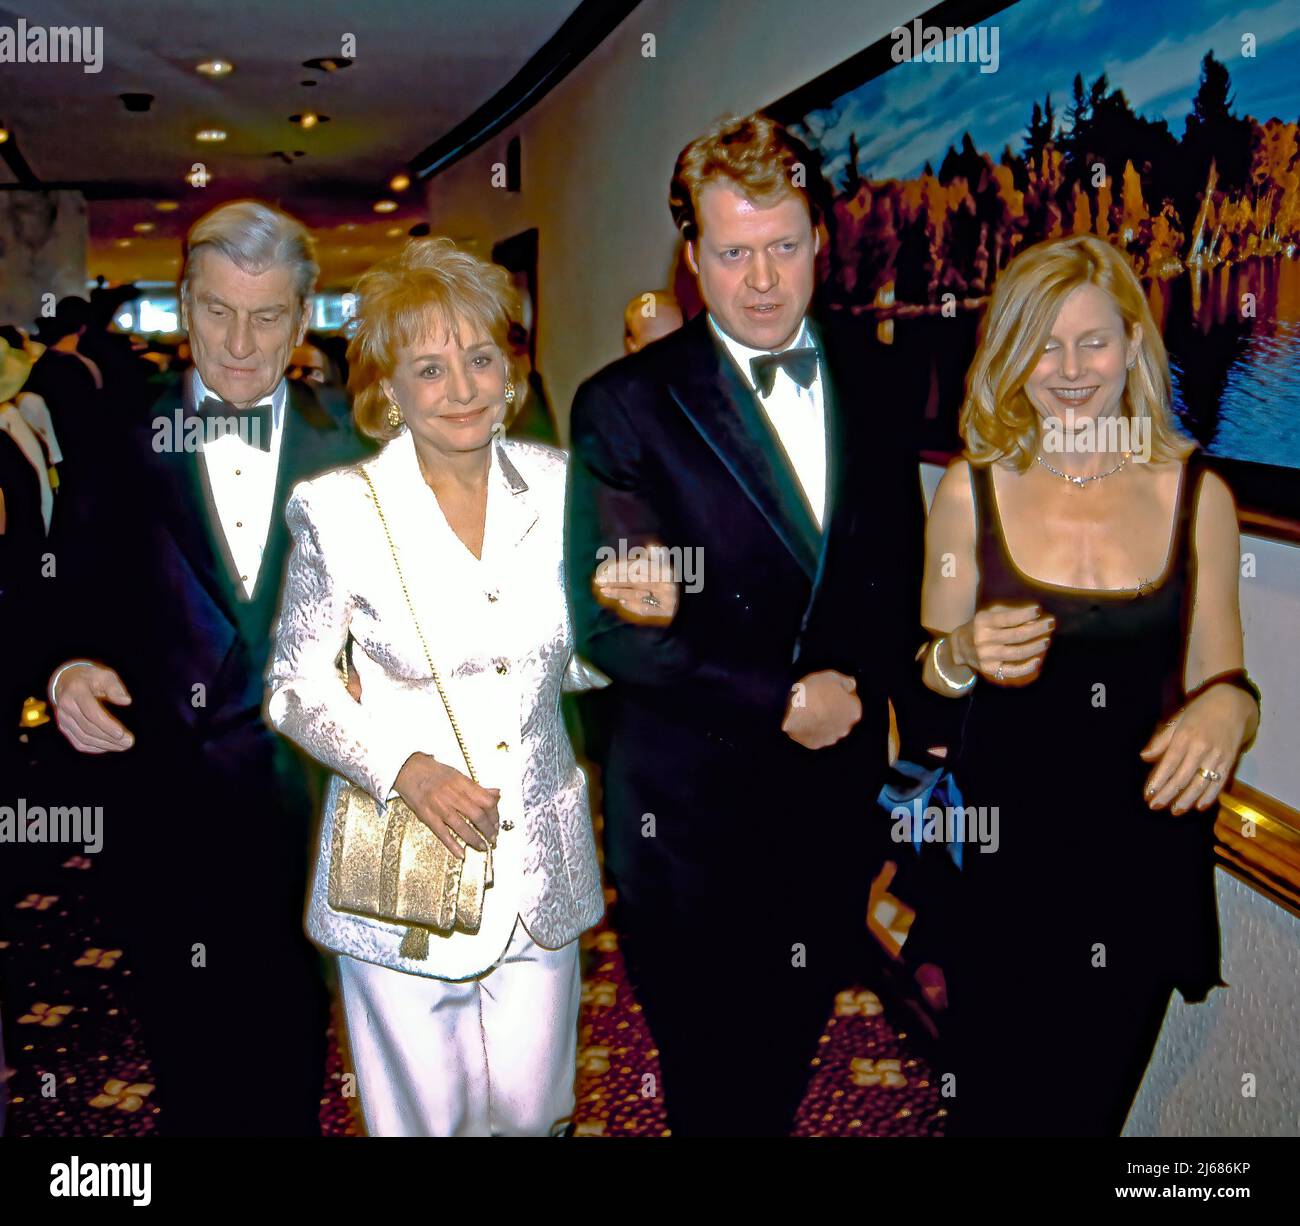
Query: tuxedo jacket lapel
x=191, y=516
x=838, y=374
x=308, y=429
x=187, y=513
x=723, y=408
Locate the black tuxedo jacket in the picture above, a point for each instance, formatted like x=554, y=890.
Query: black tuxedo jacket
x=670, y=444
x=153, y=595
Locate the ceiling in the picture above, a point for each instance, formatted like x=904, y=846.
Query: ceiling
x=420, y=67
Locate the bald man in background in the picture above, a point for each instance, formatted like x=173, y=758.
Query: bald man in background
x=648, y=317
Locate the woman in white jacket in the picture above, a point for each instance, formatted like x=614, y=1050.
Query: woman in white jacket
x=479, y=1036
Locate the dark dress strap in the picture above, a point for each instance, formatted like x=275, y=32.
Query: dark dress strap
x=997, y=580
x=1191, y=489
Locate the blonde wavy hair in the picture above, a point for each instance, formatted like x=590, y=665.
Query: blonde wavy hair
x=998, y=419
x=431, y=287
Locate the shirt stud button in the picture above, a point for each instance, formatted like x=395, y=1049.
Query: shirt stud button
x=502, y=745
x=507, y=825
x=502, y=667
x=493, y=597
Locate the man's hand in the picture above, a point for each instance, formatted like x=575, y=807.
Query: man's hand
x=641, y=591
x=80, y=713
x=823, y=709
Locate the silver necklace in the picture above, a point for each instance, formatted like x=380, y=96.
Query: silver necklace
x=1056, y=472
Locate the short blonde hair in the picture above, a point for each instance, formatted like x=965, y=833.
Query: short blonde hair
x=998, y=419
x=431, y=287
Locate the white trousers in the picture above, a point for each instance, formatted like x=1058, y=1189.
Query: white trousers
x=491, y=1056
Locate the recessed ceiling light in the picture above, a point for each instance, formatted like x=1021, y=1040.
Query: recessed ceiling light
x=123, y=242
x=214, y=68
x=329, y=63
x=394, y=232
x=385, y=206
x=399, y=183
x=4, y=135
x=210, y=134
x=166, y=206
x=308, y=119
x=144, y=227
x=347, y=225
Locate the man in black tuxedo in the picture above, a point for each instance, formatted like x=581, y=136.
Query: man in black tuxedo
x=208, y=812
x=751, y=731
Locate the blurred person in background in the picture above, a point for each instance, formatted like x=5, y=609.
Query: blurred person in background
x=649, y=316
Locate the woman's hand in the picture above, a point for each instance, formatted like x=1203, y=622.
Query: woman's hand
x=450, y=804
x=641, y=590
x=1005, y=644
x=1205, y=736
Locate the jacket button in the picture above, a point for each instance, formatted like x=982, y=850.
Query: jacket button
x=493, y=597
x=503, y=667
x=507, y=825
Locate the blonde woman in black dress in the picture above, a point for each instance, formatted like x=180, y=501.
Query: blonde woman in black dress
x=1081, y=585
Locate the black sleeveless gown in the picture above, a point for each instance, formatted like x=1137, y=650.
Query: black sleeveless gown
x=1070, y=937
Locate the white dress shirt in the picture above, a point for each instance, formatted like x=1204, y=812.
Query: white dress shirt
x=797, y=415
x=14, y=423
x=242, y=479
x=36, y=413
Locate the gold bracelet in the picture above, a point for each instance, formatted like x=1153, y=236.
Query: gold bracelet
x=956, y=687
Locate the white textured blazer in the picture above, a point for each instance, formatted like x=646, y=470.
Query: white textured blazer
x=499, y=631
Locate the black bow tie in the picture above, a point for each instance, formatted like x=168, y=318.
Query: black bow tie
x=252, y=425
x=799, y=364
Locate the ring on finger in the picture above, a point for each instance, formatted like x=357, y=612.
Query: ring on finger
x=652, y=600
x=1211, y=775
x=999, y=674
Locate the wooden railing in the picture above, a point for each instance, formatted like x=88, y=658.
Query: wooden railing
x=1259, y=842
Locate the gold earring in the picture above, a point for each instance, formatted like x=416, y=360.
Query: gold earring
x=394, y=414
x=510, y=393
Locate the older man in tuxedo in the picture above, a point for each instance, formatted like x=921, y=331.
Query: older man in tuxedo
x=167, y=622
x=751, y=730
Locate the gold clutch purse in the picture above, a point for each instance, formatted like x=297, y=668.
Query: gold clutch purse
x=386, y=864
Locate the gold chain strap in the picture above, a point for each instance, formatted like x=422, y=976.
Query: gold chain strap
x=455, y=727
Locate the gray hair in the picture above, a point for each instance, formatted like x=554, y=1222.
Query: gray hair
x=255, y=237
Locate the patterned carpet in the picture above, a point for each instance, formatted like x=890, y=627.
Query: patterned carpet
x=79, y=1068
